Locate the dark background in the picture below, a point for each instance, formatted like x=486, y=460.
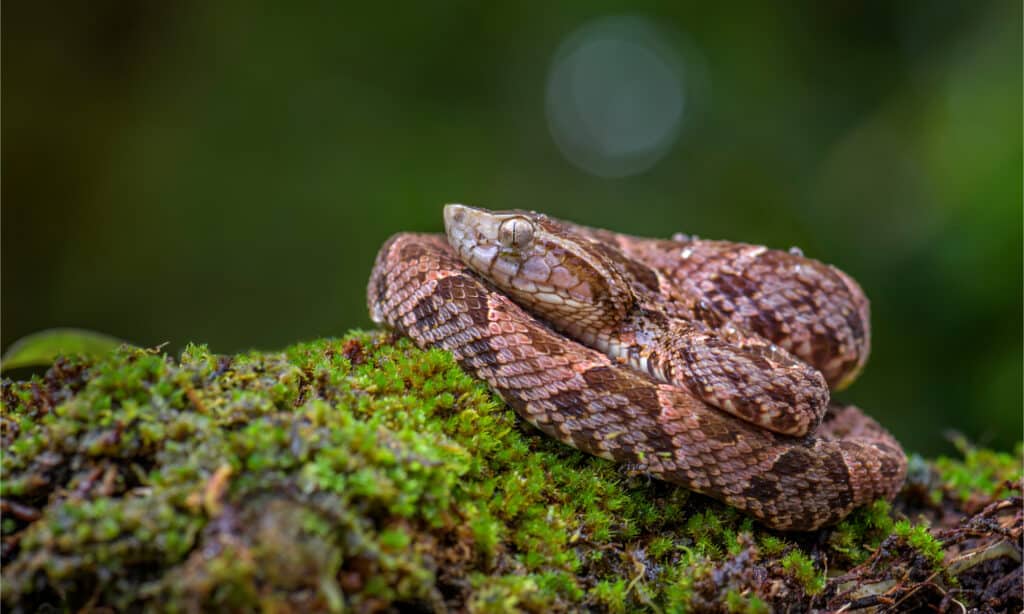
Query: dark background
x=224, y=173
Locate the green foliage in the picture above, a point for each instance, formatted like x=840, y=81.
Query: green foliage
x=43, y=348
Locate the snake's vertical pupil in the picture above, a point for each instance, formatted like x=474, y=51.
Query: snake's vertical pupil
x=515, y=232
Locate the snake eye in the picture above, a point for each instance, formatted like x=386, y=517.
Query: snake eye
x=515, y=232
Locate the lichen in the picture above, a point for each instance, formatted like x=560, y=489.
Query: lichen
x=362, y=473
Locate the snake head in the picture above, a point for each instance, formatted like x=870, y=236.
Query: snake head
x=560, y=275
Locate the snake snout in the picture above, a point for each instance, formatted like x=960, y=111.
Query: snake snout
x=456, y=227
x=454, y=213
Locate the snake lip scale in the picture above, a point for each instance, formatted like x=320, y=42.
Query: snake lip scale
x=708, y=364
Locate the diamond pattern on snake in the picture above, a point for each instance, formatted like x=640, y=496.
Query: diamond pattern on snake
x=708, y=364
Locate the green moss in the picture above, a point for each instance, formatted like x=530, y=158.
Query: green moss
x=710, y=532
x=681, y=581
x=660, y=547
x=487, y=534
x=800, y=566
x=509, y=593
x=735, y=602
x=856, y=537
x=918, y=538
x=355, y=473
x=981, y=471
x=771, y=544
x=611, y=595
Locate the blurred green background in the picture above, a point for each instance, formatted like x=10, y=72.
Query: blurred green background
x=224, y=172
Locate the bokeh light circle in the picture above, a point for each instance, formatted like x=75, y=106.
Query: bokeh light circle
x=615, y=95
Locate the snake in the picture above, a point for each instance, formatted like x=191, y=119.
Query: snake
x=706, y=364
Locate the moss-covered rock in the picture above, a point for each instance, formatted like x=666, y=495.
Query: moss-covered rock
x=364, y=474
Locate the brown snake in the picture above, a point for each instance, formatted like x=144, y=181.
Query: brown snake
x=667, y=337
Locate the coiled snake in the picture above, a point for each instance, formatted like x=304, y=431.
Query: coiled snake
x=703, y=363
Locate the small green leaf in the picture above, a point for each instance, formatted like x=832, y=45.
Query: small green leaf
x=42, y=348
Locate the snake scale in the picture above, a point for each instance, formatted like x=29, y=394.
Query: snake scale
x=707, y=364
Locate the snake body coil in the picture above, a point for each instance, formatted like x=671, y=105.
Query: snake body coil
x=687, y=330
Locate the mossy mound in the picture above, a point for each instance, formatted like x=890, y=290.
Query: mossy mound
x=364, y=474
